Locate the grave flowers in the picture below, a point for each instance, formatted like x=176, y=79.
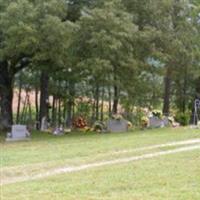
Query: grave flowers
x=117, y=117
x=80, y=122
x=157, y=113
x=144, y=122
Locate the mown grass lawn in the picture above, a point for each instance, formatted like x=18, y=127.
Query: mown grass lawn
x=168, y=177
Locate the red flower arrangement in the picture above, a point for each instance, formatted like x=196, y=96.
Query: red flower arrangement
x=79, y=122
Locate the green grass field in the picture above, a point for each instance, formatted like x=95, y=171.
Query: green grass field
x=175, y=176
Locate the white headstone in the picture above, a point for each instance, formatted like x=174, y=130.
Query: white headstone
x=44, y=124
x=18, y=132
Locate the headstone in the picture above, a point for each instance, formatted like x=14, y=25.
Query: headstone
x=18, y=132
x=155, y=122
x=166, y=121
x=44, y=124
x=117, y=125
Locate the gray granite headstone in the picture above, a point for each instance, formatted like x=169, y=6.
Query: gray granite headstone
x=18, y=132
x=155, y=122
x=117, y=125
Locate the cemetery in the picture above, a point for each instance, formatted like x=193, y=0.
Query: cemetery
x=99, y=100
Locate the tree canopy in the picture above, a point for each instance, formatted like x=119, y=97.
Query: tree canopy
x=120, y=52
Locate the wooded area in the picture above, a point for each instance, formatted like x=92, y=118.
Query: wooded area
x=80, y=56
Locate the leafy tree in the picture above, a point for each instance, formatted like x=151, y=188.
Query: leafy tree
x=28, y=30
x=105, y=39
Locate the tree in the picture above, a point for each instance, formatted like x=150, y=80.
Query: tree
x=17, y=45
x=172, y=37
x=28, y=30
x=105, y=39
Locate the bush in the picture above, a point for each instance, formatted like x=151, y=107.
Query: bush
x=99, y=126
x=183, y=118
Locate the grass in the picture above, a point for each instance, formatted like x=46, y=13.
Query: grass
x=168, y=177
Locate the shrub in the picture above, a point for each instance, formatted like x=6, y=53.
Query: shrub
x=138, y=117
x=183, y=118
x=99, y=126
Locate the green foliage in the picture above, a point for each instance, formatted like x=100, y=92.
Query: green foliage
x=83, y=108
x=99, y=126
x=121, y=44
x=183, y=118
x=34, y=29
x=105, y=36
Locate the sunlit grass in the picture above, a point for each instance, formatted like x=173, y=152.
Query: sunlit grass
x=168, y=177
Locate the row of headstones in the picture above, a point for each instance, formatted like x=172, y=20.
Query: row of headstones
x=20, y=132
x=122, y=125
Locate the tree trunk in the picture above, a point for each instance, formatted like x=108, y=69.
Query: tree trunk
x=102, y=104
x=6, y=95
x=110, y=102
x=64, y=108
x=56, y=112
x=19, y=100
x=167, y=92
x=44, y=95
x=70, y=105
x=97, y=103
x=116, y=100
x=37, y=108
x=53, y=112
x=29, y=110
x=59, y=111
x=69, y=113
x=184, y=100
x=23, y=114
